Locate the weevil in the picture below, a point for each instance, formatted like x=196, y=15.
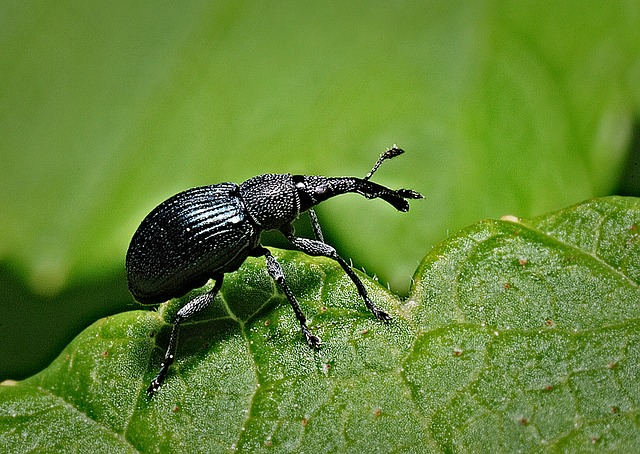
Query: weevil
x=204, y=232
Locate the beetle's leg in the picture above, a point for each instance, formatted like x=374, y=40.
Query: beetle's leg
x=275, y=271
x=316, y=225
x=192, y=307
x=316, y=248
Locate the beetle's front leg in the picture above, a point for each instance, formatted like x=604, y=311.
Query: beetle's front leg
x=315, y=225
x=192, y=307
x=275, y=271
x=317, y=248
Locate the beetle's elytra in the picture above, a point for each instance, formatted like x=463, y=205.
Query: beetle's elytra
x=205, y=232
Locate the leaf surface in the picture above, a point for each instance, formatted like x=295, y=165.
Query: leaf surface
x=518, y=335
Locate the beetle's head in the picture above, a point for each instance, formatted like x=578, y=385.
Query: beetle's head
x=314, y=189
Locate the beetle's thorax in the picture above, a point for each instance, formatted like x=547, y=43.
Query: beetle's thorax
x=271, y=200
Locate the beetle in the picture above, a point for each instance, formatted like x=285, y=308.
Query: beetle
x=204, y=232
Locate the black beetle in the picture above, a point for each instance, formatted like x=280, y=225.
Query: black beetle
x=204, y=232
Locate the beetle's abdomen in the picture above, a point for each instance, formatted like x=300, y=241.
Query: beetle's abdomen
x=186, y=239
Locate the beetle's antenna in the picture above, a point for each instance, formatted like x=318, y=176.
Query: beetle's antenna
x=390, y=153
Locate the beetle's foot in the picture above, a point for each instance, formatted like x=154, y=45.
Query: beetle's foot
x=313, y=340
x=153, y=387
x=381, y=315
x=157, y=382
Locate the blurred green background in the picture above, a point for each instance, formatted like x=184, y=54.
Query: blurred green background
x=108, y=108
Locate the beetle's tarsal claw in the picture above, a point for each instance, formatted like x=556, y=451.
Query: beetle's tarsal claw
x=153, y=387
x=313, y=340
x=381, y=315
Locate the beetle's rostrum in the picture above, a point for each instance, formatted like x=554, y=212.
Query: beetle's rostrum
x=204, y=232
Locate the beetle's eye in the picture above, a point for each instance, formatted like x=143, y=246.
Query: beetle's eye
x=298, y=181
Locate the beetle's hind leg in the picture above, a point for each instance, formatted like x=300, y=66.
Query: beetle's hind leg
x=192, y=307
x=317, y=248
x=275, y=271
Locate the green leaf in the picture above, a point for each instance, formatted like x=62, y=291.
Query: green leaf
x=532, y=333
x=518, y=335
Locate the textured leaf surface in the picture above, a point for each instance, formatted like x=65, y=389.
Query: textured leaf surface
x=517, y=336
